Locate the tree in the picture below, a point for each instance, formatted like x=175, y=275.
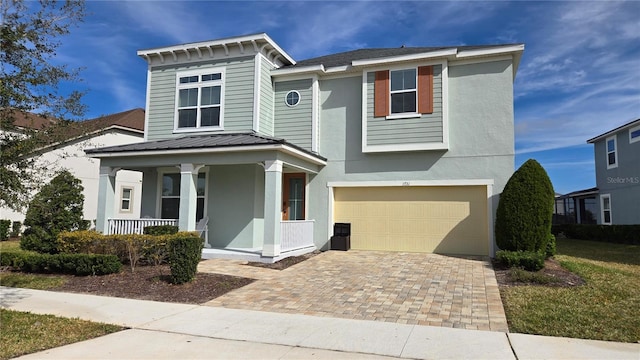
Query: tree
x=29, y=81
x=525, y=210
x=56, y=208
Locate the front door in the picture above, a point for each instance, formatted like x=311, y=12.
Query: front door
x=293, y=196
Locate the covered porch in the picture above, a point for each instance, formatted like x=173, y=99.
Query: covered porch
x=246, y=194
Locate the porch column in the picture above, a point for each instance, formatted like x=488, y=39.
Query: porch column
x=106, y=197
x=272, y=207
x=188, y=196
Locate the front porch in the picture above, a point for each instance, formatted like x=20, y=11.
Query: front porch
x=253, y=197
x=296, y=238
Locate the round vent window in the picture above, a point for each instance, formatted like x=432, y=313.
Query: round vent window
x=292, y=98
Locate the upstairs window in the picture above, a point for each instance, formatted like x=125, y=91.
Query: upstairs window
x=634, y=134
x=199, y=99
x=403, y=92
x=612, y=152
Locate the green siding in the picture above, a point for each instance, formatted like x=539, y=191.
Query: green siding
x=238, y=101
x=294, y=123
x=266, y=99
x=425, y=129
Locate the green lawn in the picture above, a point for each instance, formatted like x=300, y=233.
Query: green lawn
x=25, y=333
x=606, y=308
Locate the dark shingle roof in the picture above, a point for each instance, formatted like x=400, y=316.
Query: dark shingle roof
x=345, y=58
x=200, y=142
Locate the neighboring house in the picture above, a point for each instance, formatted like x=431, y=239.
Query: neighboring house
x=411, y=146
x=68, y=153
x=617, y=158
x=578, y=207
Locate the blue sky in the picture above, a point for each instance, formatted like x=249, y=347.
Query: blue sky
x=579, y=76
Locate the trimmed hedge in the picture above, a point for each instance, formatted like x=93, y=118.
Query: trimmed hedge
x=4, y=229
x=160, y=230
x=185, y=251
x=130, y=249
x=74, y=264
x=619, y=234
x=525, y=210
x=528, y=260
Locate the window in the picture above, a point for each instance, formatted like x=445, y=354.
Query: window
x=401, y=92
x=170, y=199
x=292, y=98
x=404, y=91
x=126, y=199
x=605, y=205
x=612, y=153
x=634, y=134
x=199, y=98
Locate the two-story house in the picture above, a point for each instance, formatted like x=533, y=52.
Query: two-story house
x=410, y=145
x=67, y=152
x=617, y=158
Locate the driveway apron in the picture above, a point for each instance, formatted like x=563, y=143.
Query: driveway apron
x=408, y=288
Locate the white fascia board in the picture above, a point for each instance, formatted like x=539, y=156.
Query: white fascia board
x=296, y=71
x=147, y=103
x=412, y=57
x=284, y=148
x=145, y=53
x=409, y=183
x=489, y=52
x=257, y=79
x=337, y=69
x=614, y=131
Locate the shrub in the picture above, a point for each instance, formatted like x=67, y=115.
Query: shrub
x=16, y=227
x=528, y=260
x=621, y=234
x=160, y=230
x=4, y=229
x=56, y=208
x=130, y=249
x=550, y=249
x=74, y=264
x=525, y=210
x=184, y=251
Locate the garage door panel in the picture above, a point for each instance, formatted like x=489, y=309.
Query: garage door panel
x=449, y=220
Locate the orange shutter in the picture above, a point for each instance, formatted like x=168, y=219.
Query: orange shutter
x=425, y=89
x=381, y=94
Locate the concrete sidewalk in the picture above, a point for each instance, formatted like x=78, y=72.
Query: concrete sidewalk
x=168, y=331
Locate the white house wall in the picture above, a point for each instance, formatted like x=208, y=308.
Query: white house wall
x=73, y=158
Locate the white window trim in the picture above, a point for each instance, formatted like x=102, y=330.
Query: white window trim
x=199, y=85
x=130, y=199
x=401, y=115
x=162, y=173
x=287, y=95
x=615, y=151
x=602, y=210
x=633, y=140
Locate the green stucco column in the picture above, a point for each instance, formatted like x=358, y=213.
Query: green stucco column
x=272, y=207
x=106, y=197
x=188, y=196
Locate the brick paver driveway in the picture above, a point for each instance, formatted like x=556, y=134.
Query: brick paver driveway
x=410, y=288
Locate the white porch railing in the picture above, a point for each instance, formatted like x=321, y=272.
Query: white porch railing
x=136, y=226
x=296, y=234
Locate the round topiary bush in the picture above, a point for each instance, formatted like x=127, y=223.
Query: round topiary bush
x=523, y=218
x=56, y=208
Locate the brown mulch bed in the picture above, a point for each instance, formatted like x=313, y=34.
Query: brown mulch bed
x=153, y=283
x=286, y=262
x=562, y=276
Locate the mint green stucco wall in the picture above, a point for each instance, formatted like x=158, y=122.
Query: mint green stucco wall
x=481, y=138
x=238, y=96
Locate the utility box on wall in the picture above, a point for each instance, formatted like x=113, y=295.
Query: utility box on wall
x=341, y=239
